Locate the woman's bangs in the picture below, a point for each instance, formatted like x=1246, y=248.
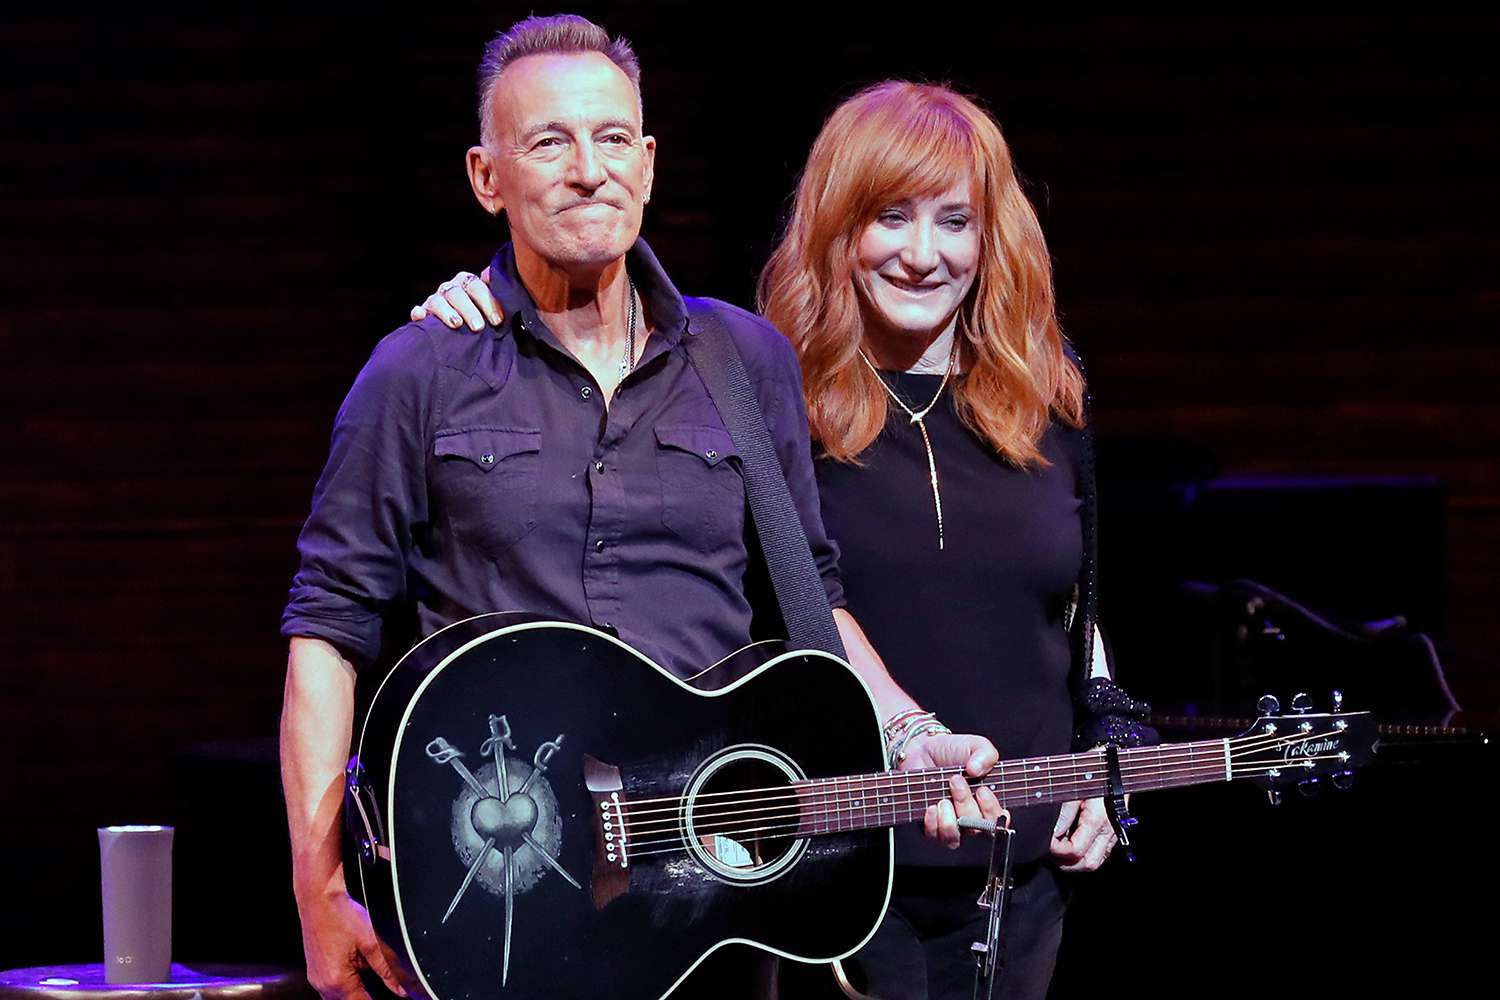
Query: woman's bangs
x=920, y=157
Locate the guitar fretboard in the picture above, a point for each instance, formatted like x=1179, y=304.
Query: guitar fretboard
x=859, y=802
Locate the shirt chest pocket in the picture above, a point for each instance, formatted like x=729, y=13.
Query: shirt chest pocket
x=485, y=481
x=702, y=491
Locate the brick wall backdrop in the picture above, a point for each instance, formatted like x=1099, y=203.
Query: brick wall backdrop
x=1275, y=239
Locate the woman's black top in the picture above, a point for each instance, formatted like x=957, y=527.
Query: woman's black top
x=974, y=632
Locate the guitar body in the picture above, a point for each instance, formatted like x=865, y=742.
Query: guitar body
x=580, y=723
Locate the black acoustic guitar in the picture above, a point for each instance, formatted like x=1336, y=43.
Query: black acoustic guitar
x=542, y=811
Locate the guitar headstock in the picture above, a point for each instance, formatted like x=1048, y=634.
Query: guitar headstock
x=1300, y=747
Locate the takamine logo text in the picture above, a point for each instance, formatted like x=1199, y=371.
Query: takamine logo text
x=1310, y=748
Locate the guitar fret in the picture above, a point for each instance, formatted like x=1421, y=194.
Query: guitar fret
x=846, y=822
x=831, y=812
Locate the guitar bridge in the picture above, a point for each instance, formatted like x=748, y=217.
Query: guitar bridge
x=612, y=820
x=611, y=876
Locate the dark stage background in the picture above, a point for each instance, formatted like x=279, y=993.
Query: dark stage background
x=1275, y=241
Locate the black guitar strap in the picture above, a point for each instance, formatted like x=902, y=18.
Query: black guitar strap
x=794, y=577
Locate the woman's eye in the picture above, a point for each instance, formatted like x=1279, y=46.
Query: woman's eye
x=957, y=223
x=891, y=217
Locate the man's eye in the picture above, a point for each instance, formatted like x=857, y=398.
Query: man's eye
x=618, y=139
x=547, y=142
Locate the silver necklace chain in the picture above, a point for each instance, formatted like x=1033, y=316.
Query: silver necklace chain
x=627, y=363
x=918, y=417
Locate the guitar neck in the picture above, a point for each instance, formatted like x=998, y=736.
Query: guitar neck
x=860, y=802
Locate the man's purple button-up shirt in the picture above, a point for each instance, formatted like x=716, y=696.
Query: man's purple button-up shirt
x=484, y=473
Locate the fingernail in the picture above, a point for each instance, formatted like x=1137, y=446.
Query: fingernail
x=476, y=327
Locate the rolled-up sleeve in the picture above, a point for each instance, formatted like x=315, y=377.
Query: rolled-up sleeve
x=369, y=500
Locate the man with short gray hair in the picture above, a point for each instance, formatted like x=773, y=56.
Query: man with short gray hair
x=561, y=33
x=569, y=461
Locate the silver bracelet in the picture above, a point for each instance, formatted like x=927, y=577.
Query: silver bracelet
x=917, y=728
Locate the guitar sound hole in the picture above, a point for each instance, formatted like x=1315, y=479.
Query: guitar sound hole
x=741, y=815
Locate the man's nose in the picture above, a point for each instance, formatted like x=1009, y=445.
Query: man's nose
x=587, y=170
x=919, y=253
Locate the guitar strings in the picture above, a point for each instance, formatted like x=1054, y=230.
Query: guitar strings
x=633, y=850
x=677, y=830
x=848, y=795
x=725, y=820
x=703, y=819
x=1129, y=759
x=850, y=799
x=1142, y=759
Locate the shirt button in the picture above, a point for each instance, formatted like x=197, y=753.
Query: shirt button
x=586, y=392
x=599, y=545
x=598, y=466
x=488, y=458
x=711, y=454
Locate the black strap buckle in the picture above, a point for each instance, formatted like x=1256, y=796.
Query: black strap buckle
x=1114, y=804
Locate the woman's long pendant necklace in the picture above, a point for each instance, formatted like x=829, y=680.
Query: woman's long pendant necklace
x=917, y=417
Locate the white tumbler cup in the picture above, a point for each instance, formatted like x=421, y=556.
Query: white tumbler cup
x=135, y=868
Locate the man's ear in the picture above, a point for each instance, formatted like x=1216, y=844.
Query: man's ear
x=484, y=178
x=648, y=143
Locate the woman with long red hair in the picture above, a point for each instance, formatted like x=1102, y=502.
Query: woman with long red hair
x=955, y=472
x=948, y=411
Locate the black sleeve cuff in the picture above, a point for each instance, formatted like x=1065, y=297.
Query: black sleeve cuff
x=1107, y=714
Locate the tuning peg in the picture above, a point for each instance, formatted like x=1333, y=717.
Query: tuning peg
x=1308, y=787
x=1343, y=779
x=1338, y=700
x=1302, y=702
x=1273, y=796
x=1268, y=705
